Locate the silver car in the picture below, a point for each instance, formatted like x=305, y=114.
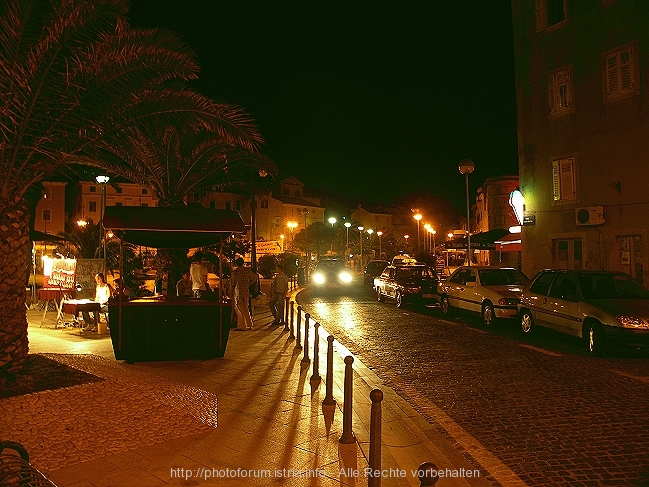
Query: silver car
x=603, y=308
x=494, y=292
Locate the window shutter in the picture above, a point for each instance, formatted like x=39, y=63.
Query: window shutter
x=541, y=14
x=563, y=90
x=556, y=188
x=611, y=75
x=626, y=80
x=567, y=179
x=551, y=93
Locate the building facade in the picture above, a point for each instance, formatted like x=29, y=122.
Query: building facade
x=89, y=198
x=50, y=211
x=581, y=70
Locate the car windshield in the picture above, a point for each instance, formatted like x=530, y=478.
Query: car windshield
x=410, y=273
x=611, y=286
x=330, y=266
x=502, y=277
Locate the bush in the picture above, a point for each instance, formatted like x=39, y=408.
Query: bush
x=290, y=263
x=266, y=265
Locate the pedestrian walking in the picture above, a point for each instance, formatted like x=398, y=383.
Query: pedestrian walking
x=278, y=290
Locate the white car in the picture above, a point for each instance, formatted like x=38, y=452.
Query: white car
x=493, y=292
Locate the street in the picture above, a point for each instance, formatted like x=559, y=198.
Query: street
x=535, y=405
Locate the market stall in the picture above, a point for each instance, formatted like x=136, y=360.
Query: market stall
x=169, y=327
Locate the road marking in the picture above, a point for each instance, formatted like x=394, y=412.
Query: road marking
x=542, y=350
x=631, y=376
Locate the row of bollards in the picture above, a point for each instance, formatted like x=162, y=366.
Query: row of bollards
x=426, y=472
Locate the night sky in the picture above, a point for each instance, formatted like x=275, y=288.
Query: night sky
x=371, y=100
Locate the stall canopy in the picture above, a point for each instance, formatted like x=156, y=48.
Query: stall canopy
x=36, y=236
x=480, y=241
x=509, y=243
x=169, y=228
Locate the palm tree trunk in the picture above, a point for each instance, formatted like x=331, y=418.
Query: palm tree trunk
x=14, y=242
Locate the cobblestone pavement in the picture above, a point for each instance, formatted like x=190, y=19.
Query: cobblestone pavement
x=551, y=414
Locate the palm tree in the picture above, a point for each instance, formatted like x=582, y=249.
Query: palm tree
x=74, y=76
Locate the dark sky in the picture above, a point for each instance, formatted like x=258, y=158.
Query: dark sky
x=372, y=100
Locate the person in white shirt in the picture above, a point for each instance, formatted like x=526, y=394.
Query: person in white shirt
x=103, y=293
x=198, y=274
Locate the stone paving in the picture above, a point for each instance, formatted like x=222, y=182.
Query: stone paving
x=552, y=419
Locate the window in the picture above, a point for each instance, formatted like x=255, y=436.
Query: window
x=567, y=253
x=145, y=191
x=542, y=283
x=620, y=72
x=212, y=205
x=119, y=203
x=264, y=203
x=145, y=205
x=227, y=205
x=560, y=91
x=118, y=189
x=565, y=287
x=47, y=215
x=93, y=189
x=92, y=206
x=237, y=205
x=563, y=179
x=47, y=193
x=549, y=13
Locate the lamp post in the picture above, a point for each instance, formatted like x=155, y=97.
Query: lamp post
x=332, y=220
x=281, y=239
x=370, y=231
x=432, y=231
x=466, y=167
x=307, y=256
x=292, y=225
x=380, y=234
x=406, y=237
x=347, y=225
x=360, y=239
x=418, y=216
x=427, y=227
x=102, y=180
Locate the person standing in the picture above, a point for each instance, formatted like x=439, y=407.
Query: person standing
x=198, y=274
x=278, y=290
x=184, y=285
x=240, y=281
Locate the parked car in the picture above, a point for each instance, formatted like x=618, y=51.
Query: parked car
x=330, y=274
x=407, y=284
x=373, y=269
x=602, y=308
x=493, y=292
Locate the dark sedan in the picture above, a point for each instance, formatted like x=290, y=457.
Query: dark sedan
x=408, y=284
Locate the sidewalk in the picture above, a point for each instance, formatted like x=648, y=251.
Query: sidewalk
x=251, y=418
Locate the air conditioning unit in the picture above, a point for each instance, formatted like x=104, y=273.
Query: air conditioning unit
x=589, y=215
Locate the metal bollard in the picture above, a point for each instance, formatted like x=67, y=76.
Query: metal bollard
x=427, y=474
x=298, y=343
x=374, y=462
x=292, y=316
x=347, y=436
x=286, y=301
x=305, y=359
x=329, y=397
x=316, y=354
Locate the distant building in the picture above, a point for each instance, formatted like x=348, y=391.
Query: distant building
x=50, y=210
x=89, y=204
x=582, y=76
x=492, y=208
x=374, y=217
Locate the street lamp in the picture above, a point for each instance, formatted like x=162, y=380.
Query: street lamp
x=360, y=239
x=305, y=212
x=332, y=220
x=418, y=216
x=466, y=167
x=380, y=234
x=432, y=231
x=427, y=227
x=370, y=231
x=292, y=225
x=406, y=237
x=281, y=239
x=101, y=179
x=347, y=225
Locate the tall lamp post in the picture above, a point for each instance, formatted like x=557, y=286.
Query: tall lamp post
x=380, y=234
x=360, y=239
x=406, y=237
x=417, y=216
x=432, y=231
x=305, y=212
x=102, y=180
x=370, y=232
x=427, y=227
x=347, y=225
x=466, y=167
x=292, y=225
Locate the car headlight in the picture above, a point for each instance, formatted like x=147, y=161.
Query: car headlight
x=318, y=278
x=345, y=277
x=632, y=322
x=508, y=301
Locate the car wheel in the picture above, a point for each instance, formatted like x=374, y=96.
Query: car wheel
x=594, y=339
x=379, y=297
x=446, y=306
x=399, y=299
x=527, y=322
x=488, y=315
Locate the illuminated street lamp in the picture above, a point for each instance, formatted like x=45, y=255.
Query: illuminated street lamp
x=82, y=223
x=360, y=239
x=380, y=234
x=281, y=239
x=101, y=179
x=332, y=220
x=432, y=231
x=406, y=237
x=292, y=225
x=347, y=225
x=418, y=216
x=305, y=212
x=466, y=167
x=370, y=232
x=427, y=227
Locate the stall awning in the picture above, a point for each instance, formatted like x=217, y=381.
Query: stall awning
x=479, y=241
x=509, y=243
x=172, y=227
x=36, y=236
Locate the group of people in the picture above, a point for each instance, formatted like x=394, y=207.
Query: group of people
x=104, y=292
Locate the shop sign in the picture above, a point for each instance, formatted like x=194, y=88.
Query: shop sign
x=268, y=247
